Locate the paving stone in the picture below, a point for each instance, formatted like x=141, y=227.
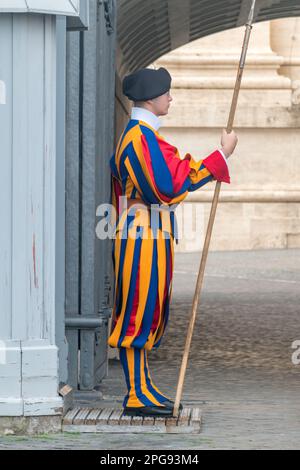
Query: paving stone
x=240, y=371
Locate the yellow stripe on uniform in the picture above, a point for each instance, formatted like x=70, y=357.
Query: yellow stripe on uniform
x=144, y=282
x=133, y=399
x=162, y=266
x=144, y=388
x=126, y=276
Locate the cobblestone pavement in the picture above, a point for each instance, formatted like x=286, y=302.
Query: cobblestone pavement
x=240, y=370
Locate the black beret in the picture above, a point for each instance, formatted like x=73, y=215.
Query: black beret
x=146, y=84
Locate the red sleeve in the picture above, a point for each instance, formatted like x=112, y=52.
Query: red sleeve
x=180, y=168
x=216, y=165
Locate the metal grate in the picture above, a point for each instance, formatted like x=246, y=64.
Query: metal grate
x=112, y=420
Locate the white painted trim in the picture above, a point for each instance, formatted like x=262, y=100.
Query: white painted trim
x=2, y=92
x=53, y=7
x=43, y=406
x=11, y=406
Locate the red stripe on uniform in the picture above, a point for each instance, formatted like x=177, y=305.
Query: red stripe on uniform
x=135, y=303
x=179, y=168
x=118, y=192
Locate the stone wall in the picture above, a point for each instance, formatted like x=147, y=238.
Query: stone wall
x=260, y=208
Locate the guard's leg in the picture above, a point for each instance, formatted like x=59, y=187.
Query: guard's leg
x=153, y=388
x=140, y=391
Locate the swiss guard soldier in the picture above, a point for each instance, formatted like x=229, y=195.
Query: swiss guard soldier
x=148, y=172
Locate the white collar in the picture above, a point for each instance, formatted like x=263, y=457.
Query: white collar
x=142, y=114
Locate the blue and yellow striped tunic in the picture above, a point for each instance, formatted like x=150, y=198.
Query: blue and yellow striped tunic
x=149, y=170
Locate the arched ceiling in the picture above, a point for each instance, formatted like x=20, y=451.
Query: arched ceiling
x=147, y=29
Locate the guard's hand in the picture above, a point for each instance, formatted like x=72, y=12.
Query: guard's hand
x=228, y=142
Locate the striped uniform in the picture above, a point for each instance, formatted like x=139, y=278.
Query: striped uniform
x=146, y=168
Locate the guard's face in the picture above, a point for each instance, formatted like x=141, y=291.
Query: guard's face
x=162, y=103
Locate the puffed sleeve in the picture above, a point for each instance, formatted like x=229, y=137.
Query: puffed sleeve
x=162, y=176
x=215, y=164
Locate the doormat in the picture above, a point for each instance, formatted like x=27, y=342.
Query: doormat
x=111, y=420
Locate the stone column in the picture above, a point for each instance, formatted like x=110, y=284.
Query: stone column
x=285, y=40
x=28, y=353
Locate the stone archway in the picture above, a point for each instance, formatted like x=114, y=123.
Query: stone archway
x=147, y=30
x=270, y=85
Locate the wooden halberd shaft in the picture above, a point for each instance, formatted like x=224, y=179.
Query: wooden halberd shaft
x=212, y=217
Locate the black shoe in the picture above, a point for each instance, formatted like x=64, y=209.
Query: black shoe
x=170, y=404
x=159, y=411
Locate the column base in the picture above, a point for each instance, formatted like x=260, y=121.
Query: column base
x=29, y=379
